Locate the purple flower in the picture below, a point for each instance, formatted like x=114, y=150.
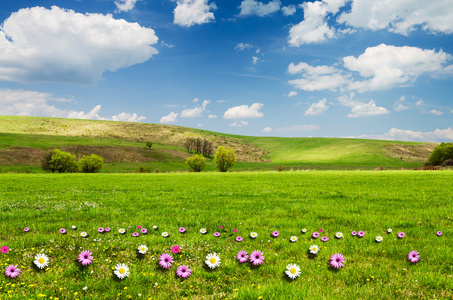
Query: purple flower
x=324, y=239
x=439, y=233
x=275, y=234
x=361, y=234
x=62, y=231
x=235, y=230
x=4, y=249
x=401, y=235
x=12, y=271
x=26, y=229
x=85, y=257
x=182, y=230
x=242, y=256
x=354, y=233
x=100, y=230
x=413, y=256
x=256, y=257
x=337, y=260
x=315, y=235
x=107, y=229
x=183, y=271
x=144, y=231
x=320, y=230
x=216, y=234
x=135, y=234
x=239, y=239
x=165, y=260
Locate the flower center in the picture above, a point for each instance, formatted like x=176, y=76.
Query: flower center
x=122, y=271
x=314, y=248
x=293, y=271
x=213, y=260
x=41, y=260
x=143, y=248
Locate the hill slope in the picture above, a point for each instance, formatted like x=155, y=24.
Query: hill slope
x=24, y=140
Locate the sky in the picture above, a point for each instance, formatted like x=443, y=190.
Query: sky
x=375, y=69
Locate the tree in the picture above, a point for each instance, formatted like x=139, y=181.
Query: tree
x=45, y=164
x=59, y=161
x=149, y=144
x=224, y=158
x=196, y=163
x=91, y=164
x=440, y=154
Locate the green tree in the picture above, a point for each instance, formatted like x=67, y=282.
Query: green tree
x=440, y=154
x=196, y=163
x=59, y=161
x=91, y=164
x=149, y=144
x=224, y=158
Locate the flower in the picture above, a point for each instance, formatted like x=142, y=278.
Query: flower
x=122, y=230
x=253, y=235
x=216, y=234
x=183, y=271
x=165, y=234
x=304, y=230
x=401, y=235
x=361, y=234
x=135, y=234
x=220, y=227
x=439, y=233
x=235, y=230
x=293, y=271
x=324, y=239
x=293, y=239
x=338, y=235
x=142, y=249
x=73, y=227
x=100, y=230
x=314, y=249
x=239, y=239
x=12, y=271
x=41, y=260
x=62, y=231
x=354, y=233
x=212, y=260
x=154, y=227
x=389, y=230
x=4, y=249
x=256, y=257
x=175, y=249
x=315, y=235
x=182, y=230
x=85, y=257
x=379, y=239
x=242, y=256
x=320, y=230
x=203, y=231
x=107, y=229
x=26, y=229
x=275, y=234
x=413, y=256
x=144, y=231
x=83, y=234
x=337, y=260
x=165, y=260
x=121, y=271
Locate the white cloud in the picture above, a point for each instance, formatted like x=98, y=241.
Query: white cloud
x=170, y=118
x=267, y=129
x=195, y=100
x=59, y=45
x=399, y=106
x=436, y=112
x=212, y=116
x=125, y=5
x=292, y=94
x=128, y=117
x=191, y=12
x=317, y=108
x=362, y=109
x=402, y=16
x=244, y=112
x=419, y=102
x=242, y=47
x=255, y=60
x=299, y=128
x=436, y=136
x=451, y=111
x=239, y=124
x=195, y=112
x=289, y=10
x=252, y=7
x=317, y=78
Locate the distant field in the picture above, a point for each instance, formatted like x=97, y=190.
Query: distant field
x=418, y=203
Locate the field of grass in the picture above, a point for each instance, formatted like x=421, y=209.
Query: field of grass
x=418, y=203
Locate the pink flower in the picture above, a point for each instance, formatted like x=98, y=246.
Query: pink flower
x=216, y=234
x=26, y=229
x=401, y=235
x=354, y=233
x=144, y=231
x=175, y=249
x=183, y=271
x=239, y=239
x=337, y=260
x=361, y=234
x=85, y=257
x=12, y=271
x=315, y=235
x=62, y=231
x=4, y=249
x=275, y=234
x=413, y=256
x=324, y=239
x=242, y=256
x=256, y=257
x=100, y=230
x=439, y=233
x=220, y=226
x=235, y=230
x=165, y=260
x=320, y=230
x=139, y=226
x=135, y=234
x=107, y=229
x=182, y=230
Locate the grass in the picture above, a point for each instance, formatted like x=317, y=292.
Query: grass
x=417, y=203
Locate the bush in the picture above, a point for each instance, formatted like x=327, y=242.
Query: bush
x=59, y=161
x=91, y=164
x=224, y=158
x=281, y=168
x=448, y=163
x=196, y=163
x=440, y=154
x=149, y=144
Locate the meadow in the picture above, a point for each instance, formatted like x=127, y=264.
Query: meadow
x=418, y=203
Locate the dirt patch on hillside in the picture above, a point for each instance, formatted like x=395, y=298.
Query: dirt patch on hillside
x=21, y=156
x=411, y=153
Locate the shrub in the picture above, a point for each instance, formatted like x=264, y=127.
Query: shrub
x=59, y=161
x=224, y=158
x=281, y=168
x=149, y=144
x=196, y=163
x=448, y=163
x=91, y=164
x=441, y=153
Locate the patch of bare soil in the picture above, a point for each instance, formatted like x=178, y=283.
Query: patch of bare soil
x=413, y=153
x=21, y=156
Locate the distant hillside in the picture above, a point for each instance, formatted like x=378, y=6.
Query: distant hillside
x=24, y=140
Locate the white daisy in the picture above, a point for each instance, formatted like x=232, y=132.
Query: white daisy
x=253, y=235
x=122, y=230
x=379, y=239
x=203, y=231
x=293, y=271
x=389, y=230
x=165, y=234
x=212, y=260
x=293, y=239
x=121, y=271
x=304, y=230
x=142, y=249
x=155, y=227
x=73, y=227
x=41, y=260
x=83, y=234
x=339, y=235
x=314, y=249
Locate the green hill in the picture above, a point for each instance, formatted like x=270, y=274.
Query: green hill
x=24, y=141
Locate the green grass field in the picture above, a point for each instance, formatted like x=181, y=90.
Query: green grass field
x=417, y=203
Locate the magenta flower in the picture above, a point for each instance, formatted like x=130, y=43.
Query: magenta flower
x=220, y=227
x=107, y=229
x=165, y=260
x=4, y=249
x=324, y=239
x=401, y=235
x=361, y=234
x=138, y=227
x=239, y=239
x=242, y=256
x=315, y=235
x=183, y=271
x=275, y=234
x=144, y=231
x=320, y=230
x=216, y=234
x=256, y=257
x=26, y=229
x=235, y=230
x=439, y=233
x=12, y=271
x=85, y=257
x=100, y=230
x=135, y=234
x=337, y=260
x=182, y=230
x=413, y=256
x=175, y=249
x=354, y=233
x=62, y=231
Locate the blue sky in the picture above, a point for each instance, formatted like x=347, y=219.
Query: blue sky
x=333, y=68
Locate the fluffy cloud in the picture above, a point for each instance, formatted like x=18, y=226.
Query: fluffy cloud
x=59, y=45
x=436, y=136
x=125, y=5
x=170, y=118
x=436, y=112
x=299, y=128
x=242, y=47
x=362, y=109
x=195, y=112
x=252, y=7
x=292, y=94
x=399, y=106
x=128, y=117
x=191, y=12
x=244, y=112
x=289, y=10
x=212, y=116
x=255, y=60
x=317, y=108
x=267, y=129
x=239, y=124
x=317, y=78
